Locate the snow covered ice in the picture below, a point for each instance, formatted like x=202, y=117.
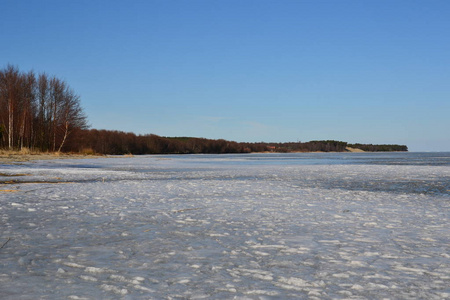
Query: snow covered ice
x=255, y=226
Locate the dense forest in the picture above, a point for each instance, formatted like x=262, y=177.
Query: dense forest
x=42, y=113
x=117, y=142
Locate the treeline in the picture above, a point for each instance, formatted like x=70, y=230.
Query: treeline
x=38, y=112
x=117, y=142
x=41, y=112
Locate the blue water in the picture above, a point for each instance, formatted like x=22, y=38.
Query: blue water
x=384, y=158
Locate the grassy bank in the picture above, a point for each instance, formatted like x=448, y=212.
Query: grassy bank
x=14, y=156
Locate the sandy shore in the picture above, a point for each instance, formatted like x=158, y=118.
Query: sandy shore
x=357, y=150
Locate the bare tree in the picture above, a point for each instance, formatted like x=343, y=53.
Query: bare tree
x=37, y=113
x=27, y=109
x=42, y=122
x=70, y=116
x=9, y=98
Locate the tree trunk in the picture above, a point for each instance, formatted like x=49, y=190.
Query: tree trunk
x=66, y=133
x=10, y=125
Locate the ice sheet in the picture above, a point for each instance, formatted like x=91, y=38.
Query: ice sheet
x=170, y=227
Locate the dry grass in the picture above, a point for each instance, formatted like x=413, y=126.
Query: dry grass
x=87, y=151
x=9, y=191
x=25, y=154
x=23, y=151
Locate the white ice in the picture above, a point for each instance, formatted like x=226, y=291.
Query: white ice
x=193, y=227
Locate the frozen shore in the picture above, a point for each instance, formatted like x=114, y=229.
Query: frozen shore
x=202, y=227
x=12, y=157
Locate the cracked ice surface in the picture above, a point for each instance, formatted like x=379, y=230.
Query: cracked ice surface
x=236, y=226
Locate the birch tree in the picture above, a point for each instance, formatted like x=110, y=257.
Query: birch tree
x=9, y=94
x=37, y=112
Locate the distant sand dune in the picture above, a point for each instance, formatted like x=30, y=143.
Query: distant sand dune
x=350, y=149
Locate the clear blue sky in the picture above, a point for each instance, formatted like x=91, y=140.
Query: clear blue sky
x=246, y=70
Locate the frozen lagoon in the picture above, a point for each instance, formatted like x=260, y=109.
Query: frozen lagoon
x=258, y=226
